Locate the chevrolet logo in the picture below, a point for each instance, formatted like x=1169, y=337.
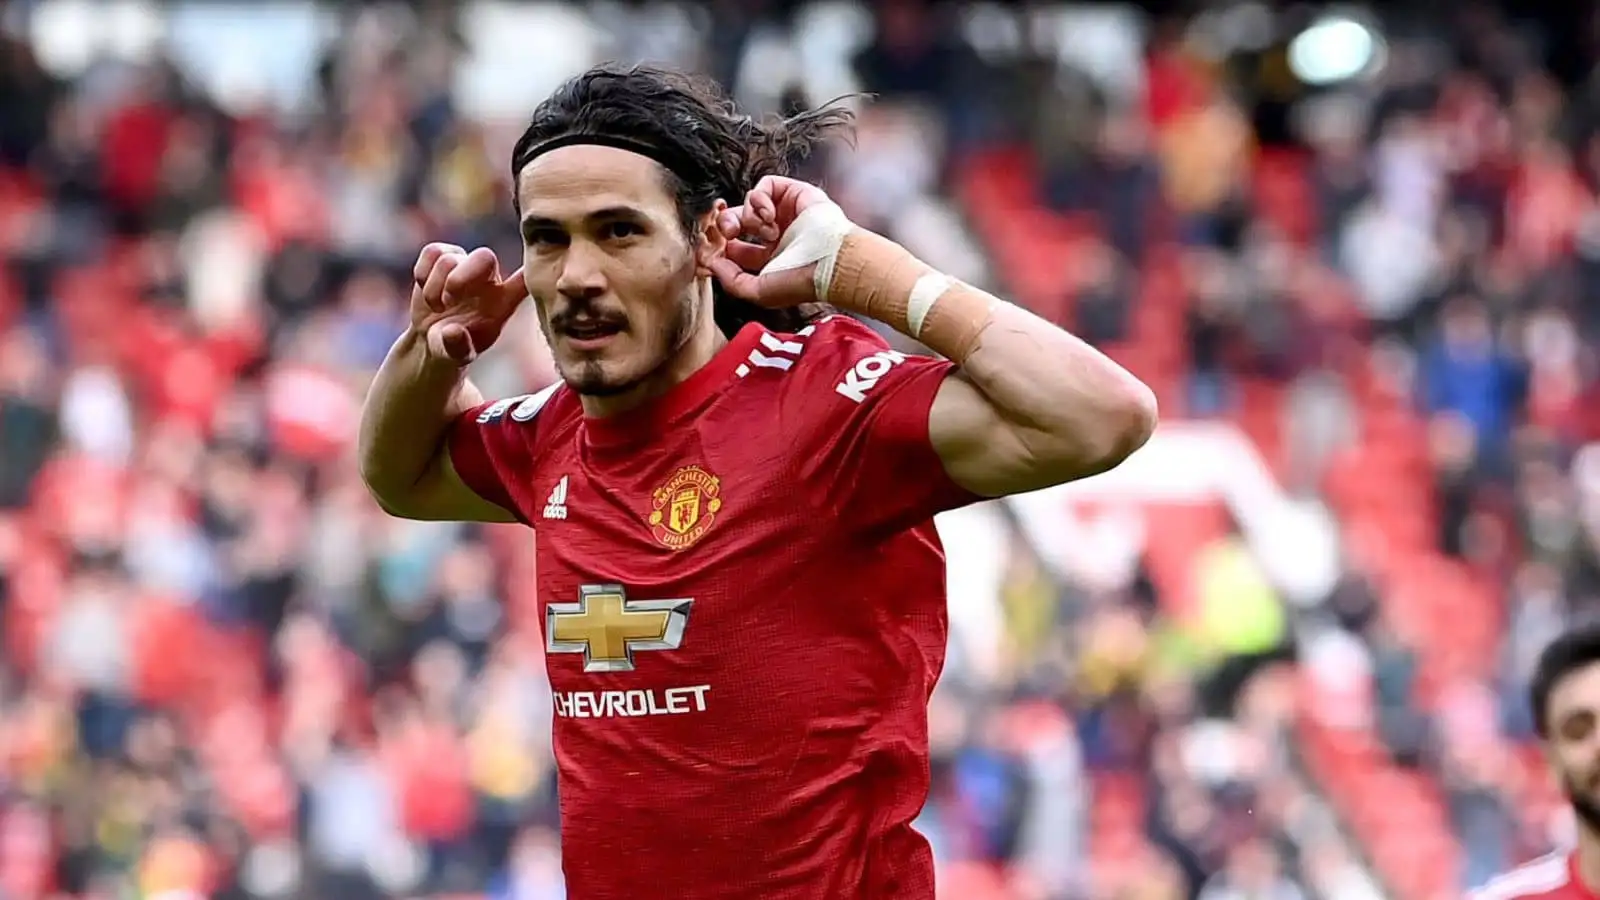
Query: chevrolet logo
x=606, y=627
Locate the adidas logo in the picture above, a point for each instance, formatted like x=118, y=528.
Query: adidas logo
x=556, y=506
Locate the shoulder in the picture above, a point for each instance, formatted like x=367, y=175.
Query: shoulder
x=836, y=356
x=1542, y=878
x=495, y=447
x=830, y=337
x=527, y=422
x=520, y=409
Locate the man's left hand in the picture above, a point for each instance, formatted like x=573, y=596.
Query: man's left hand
x=778, y=269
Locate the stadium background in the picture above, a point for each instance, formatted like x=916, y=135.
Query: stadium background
x=1281, y=653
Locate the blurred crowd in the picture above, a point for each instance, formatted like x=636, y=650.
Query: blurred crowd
x=225, y=673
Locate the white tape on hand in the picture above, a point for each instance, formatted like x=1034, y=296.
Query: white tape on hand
x=815, y=236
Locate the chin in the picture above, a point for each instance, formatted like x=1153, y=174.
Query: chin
x=591, y=378
x=599, y=387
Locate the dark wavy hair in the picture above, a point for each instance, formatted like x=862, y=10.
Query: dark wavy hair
x=1576, y=648
x=707, y=148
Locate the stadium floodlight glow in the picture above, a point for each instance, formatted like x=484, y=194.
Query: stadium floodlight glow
x=1335, y=48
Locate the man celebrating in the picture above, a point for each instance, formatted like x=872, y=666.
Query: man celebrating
x=740, y=583
x=1565, y=695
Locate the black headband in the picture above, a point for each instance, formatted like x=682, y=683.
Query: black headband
x=675, y=162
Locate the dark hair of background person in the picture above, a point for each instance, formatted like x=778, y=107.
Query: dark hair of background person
x=1567, y=654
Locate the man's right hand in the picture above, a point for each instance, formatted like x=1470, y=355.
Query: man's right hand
x=460, y=303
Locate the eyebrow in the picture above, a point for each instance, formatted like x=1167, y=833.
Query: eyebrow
x=607, y=214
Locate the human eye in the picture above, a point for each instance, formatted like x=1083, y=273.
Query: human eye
x=545, y=237
x=620, y=230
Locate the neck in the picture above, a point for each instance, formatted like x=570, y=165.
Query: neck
x=702, y=345
x=1588, y=857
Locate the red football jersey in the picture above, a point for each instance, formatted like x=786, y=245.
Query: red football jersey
x=743, y=599
x=1552, y=877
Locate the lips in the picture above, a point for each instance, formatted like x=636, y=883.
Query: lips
x=591, y=330
x=590, y=335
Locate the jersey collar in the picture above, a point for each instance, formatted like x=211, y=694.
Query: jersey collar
x=646, y=421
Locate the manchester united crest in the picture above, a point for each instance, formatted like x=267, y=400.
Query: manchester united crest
x=684, y=508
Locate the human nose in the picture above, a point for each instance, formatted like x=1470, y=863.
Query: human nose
x=582, y=272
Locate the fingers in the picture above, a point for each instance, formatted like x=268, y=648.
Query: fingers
x=426, y=261
x=418, y=297
x=761, y=205
x=429, y=256
x=449, y=340
x=480, y=267
x=514, y=289
x=773, y=187
x=738, y=282
x=433, y=287
x=789, y=197
x=445, y=272
x=769, y=208
x=757, y=218
x=748, y=256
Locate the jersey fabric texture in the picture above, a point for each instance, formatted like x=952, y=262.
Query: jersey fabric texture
x=1552, y=877
x=743, y=601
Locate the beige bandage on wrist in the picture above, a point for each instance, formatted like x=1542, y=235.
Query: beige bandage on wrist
x=872, y=275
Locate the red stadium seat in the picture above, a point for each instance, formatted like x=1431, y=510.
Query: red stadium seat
x=1283, y=193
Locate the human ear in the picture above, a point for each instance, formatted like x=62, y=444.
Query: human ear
x=710, y=242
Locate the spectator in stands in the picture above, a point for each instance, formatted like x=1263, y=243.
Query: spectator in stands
x=1210, y=326
x=1467, y=372
x=918, y=55
x=1537, y=616
x=199, y=605
x=27, y=415
x=1243, y=623
x=1404, y=729
x=1474, y=775
x=1205, y=152
x=1104, y=294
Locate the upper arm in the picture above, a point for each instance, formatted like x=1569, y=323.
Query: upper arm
x=891, y=439
x=989, y=454
x=978, y=449
x=442, y=495
x=1029, y=428
x=486, y=451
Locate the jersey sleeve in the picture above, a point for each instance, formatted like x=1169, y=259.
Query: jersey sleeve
x=862, y=410
x=491, y=447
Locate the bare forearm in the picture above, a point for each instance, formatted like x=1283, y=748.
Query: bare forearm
x=412, y=401
x=1056, y=408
